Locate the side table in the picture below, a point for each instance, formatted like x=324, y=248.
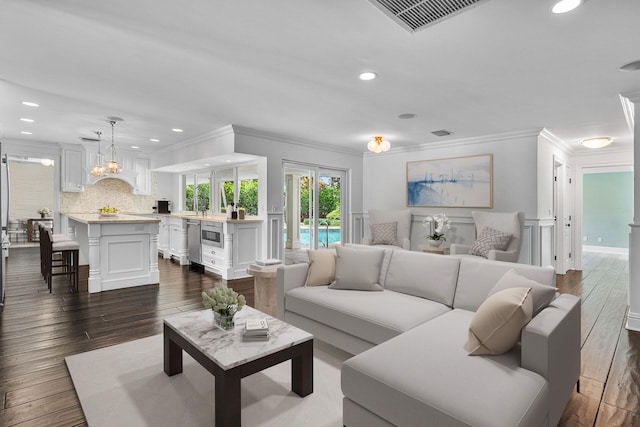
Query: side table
x=264, y=288
x=441, y=250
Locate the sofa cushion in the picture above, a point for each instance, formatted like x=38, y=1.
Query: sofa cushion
x=322, y=267
x=540, y=294
x=424, y=275
x=478, y=276
x=431, y=374
x=496, y=326
x=388, y=251
x=372, y=316
x=358, y=269
x=488, y=240
x=385, y=233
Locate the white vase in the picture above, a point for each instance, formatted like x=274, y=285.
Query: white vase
x=434, y=242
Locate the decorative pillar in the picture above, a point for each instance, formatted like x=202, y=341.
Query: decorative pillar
x=292, y=183
x=95, y=278
x=633, y=318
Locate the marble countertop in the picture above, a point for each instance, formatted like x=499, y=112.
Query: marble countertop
x=226, y=348
x=100, y=219
x=210, y=217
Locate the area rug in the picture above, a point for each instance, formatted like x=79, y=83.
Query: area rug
x=125, y=385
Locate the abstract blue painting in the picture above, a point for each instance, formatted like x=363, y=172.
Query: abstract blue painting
x=459, y=182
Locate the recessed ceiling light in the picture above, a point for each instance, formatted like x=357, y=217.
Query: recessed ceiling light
x=599, y=142
x=24, y=132
x=177, y=130
x=154, y=140
x=207, y=164
x=30, y=104
x=407, y=116
x=631, y=66
x=228, y=160
x=26, y=120
x=135, y=147
x=368, y=75
x=564, y=6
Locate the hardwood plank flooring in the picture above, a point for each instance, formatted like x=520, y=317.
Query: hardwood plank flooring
x=38, y=329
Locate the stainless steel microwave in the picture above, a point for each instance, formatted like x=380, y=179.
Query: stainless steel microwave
x=212, y=234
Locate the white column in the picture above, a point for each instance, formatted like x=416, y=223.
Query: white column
x=95, y=279
x=292, y=183
x=633, y=319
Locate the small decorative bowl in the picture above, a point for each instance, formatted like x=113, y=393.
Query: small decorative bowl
x=108, y=213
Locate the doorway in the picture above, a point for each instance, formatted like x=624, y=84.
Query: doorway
x=563, y=215
x=315, y=209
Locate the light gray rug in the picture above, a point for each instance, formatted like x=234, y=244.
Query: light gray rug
x=125, y=385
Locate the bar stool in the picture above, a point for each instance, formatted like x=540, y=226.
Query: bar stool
x=55, y=239
x=69, y=252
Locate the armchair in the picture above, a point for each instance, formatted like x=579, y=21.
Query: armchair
x=506, y=222
x=403, y=230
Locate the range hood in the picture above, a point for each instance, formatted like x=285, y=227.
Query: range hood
x=128, y=176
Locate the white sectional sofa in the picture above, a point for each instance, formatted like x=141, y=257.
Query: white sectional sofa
x=411, y=367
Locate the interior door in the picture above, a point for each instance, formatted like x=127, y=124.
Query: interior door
x=567, y=249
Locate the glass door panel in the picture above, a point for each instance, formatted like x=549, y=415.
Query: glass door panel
x=330, y=230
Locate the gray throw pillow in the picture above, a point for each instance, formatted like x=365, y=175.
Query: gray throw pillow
x=490, y=239
x=385, y=233
x=542, y=294
x=358, y=269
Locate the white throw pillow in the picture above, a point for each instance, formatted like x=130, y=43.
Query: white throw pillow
x=490, y=239
x=358, y=269
x=322, y=267
x=385, y=233
x=496, y=326
x=541, y=294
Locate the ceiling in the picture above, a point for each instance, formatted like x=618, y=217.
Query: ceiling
x=291, y=68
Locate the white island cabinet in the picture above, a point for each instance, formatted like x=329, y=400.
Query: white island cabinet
x=121, y=251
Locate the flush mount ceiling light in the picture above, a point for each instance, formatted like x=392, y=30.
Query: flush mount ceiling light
x=98, y=168
x=368, y=75
x=378, y=144
x=599, y=142
x=564, y=6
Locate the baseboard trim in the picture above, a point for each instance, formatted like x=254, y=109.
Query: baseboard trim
x=605, y=250
x=633, y=321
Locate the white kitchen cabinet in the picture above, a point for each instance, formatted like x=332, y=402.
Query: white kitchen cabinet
x=178, y=248
x=143, y=177
x=163, y=236
x=72, y=169
x=241, y=248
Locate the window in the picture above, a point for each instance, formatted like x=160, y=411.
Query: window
x=225, y=186
x=248, y=183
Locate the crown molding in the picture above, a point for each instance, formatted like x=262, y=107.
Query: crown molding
x=307, y=143
x=557, y=142
x=628, y=108
x=205, y=137
x=632, y=95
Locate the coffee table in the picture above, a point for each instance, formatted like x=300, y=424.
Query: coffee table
x=229, y=359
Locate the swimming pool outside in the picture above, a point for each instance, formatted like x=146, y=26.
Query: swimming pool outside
x=334, y=236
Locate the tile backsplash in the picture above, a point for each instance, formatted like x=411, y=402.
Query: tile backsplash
x=111, y=192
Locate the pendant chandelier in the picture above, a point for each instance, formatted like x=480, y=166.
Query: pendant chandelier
x=98, y=167
x=378, y=144
x=112, y=166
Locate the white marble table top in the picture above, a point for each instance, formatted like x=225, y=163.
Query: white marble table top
x=226, y=348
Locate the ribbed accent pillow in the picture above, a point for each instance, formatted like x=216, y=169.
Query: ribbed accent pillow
x=490, y=239
x=385, y=233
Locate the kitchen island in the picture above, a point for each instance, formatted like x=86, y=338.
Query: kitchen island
x=121, y=250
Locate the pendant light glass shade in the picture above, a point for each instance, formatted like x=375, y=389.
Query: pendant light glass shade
x=98, y=168
x=112, y=166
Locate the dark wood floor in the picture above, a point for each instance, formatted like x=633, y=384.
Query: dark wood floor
x=38, y=329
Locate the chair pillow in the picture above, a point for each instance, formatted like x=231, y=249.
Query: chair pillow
x=490, y=239
x=322, y=267
x=358, y=269
x=540, y=294
x=496, y=326
x=384, y=233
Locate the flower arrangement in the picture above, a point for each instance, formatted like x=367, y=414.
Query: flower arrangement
x=224, y=302
x=44, y=211
x=437, y=230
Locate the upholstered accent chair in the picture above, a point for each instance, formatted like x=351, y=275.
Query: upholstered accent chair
x=490, y=228
x=382, y=229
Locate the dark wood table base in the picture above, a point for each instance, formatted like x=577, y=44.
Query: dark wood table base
x=227, y=382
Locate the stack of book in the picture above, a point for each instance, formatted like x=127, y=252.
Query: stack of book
x=266, y=264
x=256, y=329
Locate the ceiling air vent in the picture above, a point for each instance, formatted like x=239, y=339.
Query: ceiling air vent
x=441, y=132
x=414, y=15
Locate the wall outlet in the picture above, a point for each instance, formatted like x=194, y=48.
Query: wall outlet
x=585, y=239
x=599, y=239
